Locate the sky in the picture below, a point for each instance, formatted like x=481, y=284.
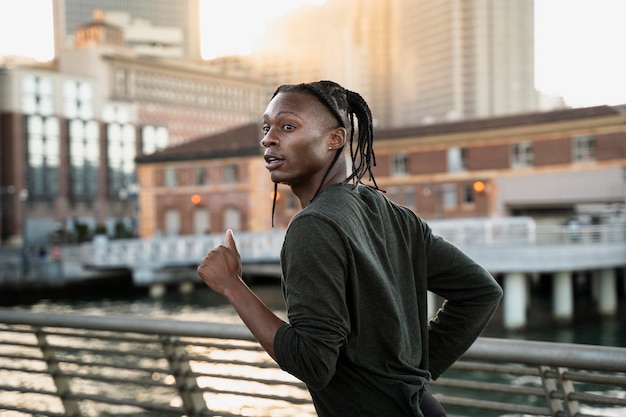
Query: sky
x=579, y=44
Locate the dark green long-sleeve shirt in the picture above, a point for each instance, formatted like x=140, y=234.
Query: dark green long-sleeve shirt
x=356, y=268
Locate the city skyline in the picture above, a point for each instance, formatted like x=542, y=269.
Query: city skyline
x=576, y=41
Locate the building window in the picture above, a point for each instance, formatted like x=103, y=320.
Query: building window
x=457, y=159
x=153, y=138
x=199, y=176
x=201, y=221
x=231, y=174
x=584, y=148
x=84, y=157
x=43, y=155
x=469, y=196
x=120, y=82
x=37, y=95
x=232, y=219
x=172, y=222
x=399, y=164
x=449, y=196
x=78, y=100
x=121, y=157
x=171, y=179
x=521, y=155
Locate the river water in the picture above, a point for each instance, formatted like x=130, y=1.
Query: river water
x=205, y=306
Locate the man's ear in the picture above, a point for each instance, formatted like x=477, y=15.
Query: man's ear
x=338, y=138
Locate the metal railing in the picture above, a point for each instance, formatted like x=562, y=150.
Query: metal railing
x=76, y=365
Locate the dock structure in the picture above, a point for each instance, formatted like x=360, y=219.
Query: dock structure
x=515, y=250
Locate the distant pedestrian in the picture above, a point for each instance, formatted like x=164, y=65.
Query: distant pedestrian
x=356, y=269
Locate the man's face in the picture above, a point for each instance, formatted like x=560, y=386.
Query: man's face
x=297, y=131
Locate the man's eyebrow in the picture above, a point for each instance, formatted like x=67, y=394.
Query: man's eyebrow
x=281, y=113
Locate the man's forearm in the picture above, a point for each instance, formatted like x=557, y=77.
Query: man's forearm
x=261, y=321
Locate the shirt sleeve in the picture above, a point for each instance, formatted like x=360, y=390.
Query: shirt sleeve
x=471, y=296
x=314, y=269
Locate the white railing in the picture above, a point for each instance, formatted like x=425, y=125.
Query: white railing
x=172, y=250
x=502, y=245
x=64, y=365
x=472, y=235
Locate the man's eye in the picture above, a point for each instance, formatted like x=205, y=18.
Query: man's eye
x=287, y=126
x=265, y=129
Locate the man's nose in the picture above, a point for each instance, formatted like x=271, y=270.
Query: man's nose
x=269, y=139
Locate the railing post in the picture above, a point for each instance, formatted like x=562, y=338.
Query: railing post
x=551, y=388
x=567, y=386
x=193, y=401
x=71, y=406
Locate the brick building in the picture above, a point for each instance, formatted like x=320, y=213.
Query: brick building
x=553, y=166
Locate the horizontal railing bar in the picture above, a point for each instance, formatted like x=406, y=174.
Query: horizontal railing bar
x=594, y=378
x=568, y=355
x=292, y=400
x=296, y=384
x=466, y=365
x=488, y=386
x=107, y=365
x=16, y=329
x=492, y=405
x=596, y=399
x=32, y=411
x=24, y=357
x=151, y=406
x=100, y=378
x=26, y=390
x=101, y=335
x=114, y=352
x=128, y=324
x=262, y=365
x=25, y=370
x=20, y=344
x=185, y=341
